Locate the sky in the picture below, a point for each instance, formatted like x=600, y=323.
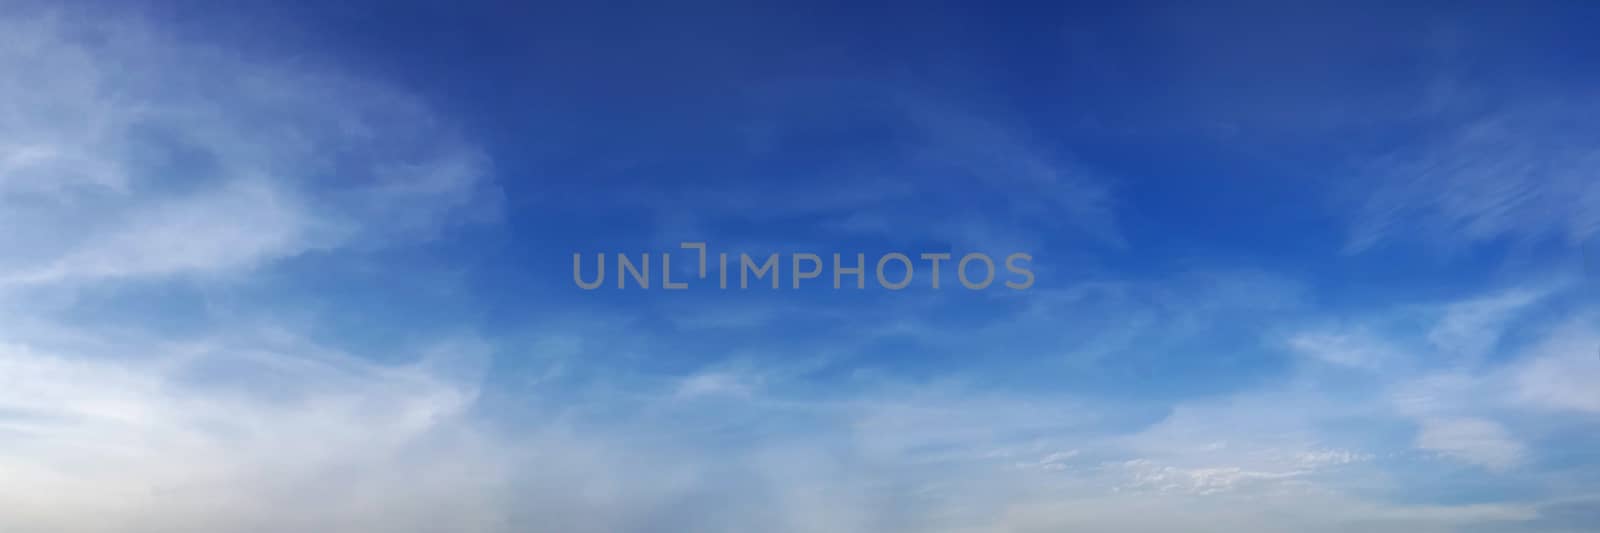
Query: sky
x=1308, y=267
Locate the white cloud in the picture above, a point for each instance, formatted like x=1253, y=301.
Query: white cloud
x=716, y=384
x=1470, y=329
x=1051, y=461
x=1523, y=174
x=235, y=226
x=227, y=432
x=125, y=153
x=1474, y=440
x=1356, y=349
x=1302, y=511
x=1260, y=442
x=1321, y=458
x=1562, y=372
x=1146, y=475
x=1459, y=379
x=217, y=435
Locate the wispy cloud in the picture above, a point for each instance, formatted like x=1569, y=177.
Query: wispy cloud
x=919, y=165
x=131, y=154
x=225, y=433
x=1473, y=440
x=1521, y=174
x=1560, y=372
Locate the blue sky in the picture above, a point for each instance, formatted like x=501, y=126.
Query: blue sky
x=1298, y=267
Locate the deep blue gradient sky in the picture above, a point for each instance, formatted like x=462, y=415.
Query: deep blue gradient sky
x=1298, y=267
